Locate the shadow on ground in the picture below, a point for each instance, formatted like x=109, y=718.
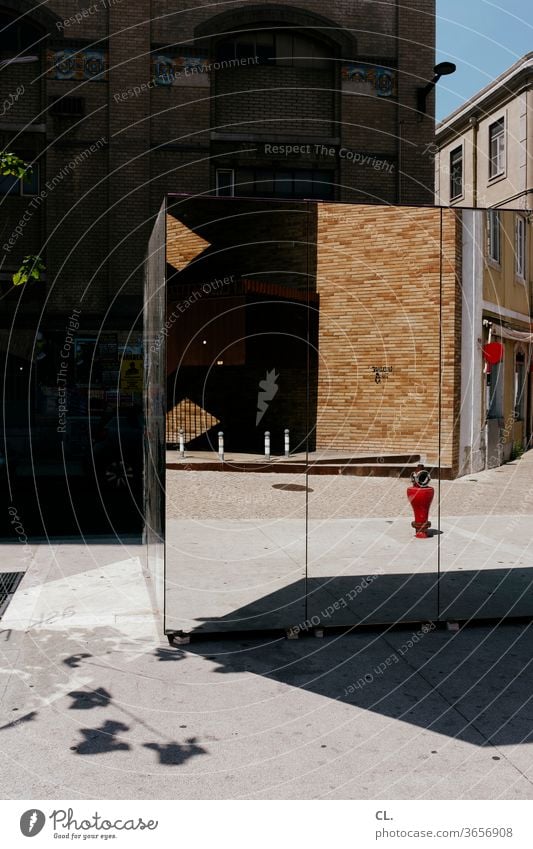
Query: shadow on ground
x=474, y=685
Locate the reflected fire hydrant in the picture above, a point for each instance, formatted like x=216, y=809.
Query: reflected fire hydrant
x=420, y=494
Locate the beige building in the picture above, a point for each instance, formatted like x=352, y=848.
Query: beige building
x=483, y=150
x=496, y=415
x=483, y=160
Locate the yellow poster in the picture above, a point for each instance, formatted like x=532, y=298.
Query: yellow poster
x=131, y=373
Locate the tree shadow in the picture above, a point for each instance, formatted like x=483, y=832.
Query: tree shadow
x=102, y=740
x=175, y=754
x=28, y=717
x=169, y=654
x=87, y=699
x=74, y=660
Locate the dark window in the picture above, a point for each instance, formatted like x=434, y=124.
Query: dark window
x=225, y=182
x=456, y=173
x=17, y=34
x=495, y=384
x=9, y=186
x=69, y=107
x=520, y=247
x=519, y=386
x=28, y=185
x=289, y=183
x=280, y=47
x=494, y=235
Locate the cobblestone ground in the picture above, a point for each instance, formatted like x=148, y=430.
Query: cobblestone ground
x=507, y=490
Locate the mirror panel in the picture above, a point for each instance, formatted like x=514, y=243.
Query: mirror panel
x=380, y=275
x=237, y=370
x=487, y=508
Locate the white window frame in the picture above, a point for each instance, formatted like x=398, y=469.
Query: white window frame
x=453, y=152
x=520, y=247
x=494, y=236
x=497, y=148
x=231, y=185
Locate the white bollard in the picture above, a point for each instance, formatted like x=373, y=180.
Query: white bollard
x=287, y=442
x=182, y=442
x=221, y=446
x=267, y=445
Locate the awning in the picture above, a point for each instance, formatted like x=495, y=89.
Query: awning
x=509, y=333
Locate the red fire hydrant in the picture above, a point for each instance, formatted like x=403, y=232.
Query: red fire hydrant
x=420, y=494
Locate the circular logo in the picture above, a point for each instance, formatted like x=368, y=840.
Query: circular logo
x=32, y=822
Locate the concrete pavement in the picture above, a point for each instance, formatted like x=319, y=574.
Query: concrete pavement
x=95, y=704
x=243, y=550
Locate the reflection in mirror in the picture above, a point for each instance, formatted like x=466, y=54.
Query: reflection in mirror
x=238, y=325
x=317, y=356
x=380, y=276
x=487, y=510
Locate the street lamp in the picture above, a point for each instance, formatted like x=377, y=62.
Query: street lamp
x=443, y=69
x=18, y=60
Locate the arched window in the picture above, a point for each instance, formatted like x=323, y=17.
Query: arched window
x=17, y=34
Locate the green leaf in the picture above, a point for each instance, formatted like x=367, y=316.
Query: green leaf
x=12, y=165
x=31, y=266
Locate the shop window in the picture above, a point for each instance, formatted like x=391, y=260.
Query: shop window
x=520, y=247
x=494, y=235
x=519, y=386
x=497, y=148
x=456, y=173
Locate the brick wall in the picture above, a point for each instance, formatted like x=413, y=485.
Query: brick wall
x=379, y=276
x=270, y=100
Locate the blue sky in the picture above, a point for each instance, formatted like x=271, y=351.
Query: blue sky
x=483, y=38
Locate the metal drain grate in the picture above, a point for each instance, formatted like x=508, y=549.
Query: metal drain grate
x=9, y=582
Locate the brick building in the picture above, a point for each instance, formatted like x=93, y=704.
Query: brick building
x=362, y=349
x=377, y=348
x=117, y=102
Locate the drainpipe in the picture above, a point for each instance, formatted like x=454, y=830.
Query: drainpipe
x=474, y=123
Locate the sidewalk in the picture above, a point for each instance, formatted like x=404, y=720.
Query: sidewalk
x=96, y=705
